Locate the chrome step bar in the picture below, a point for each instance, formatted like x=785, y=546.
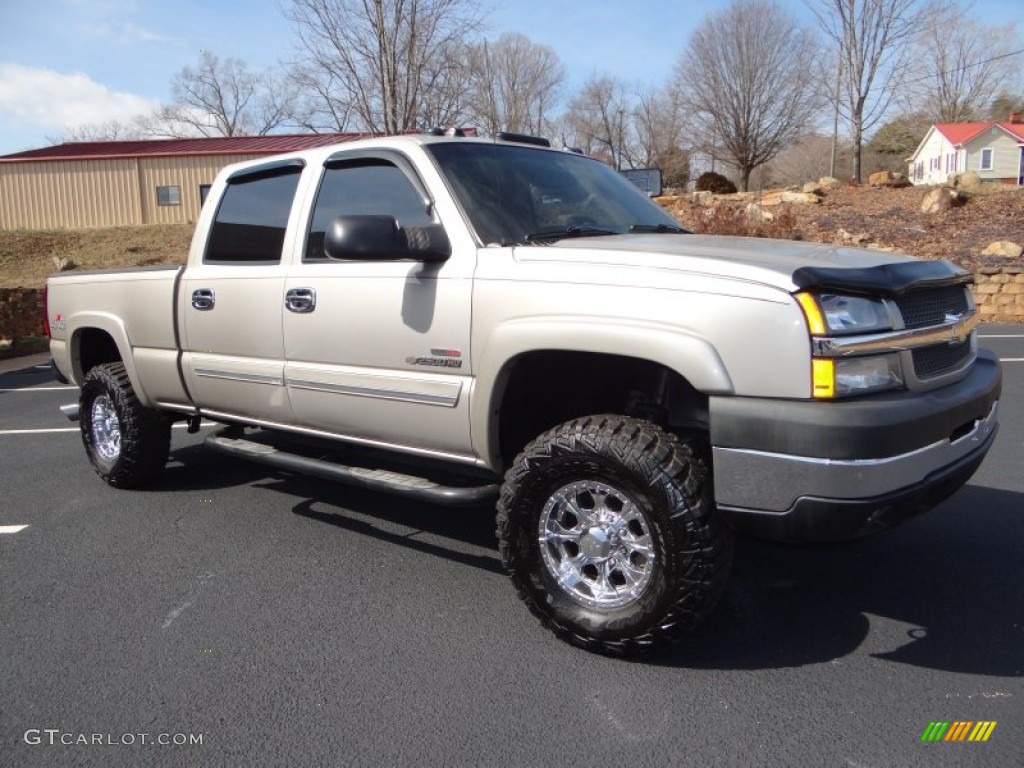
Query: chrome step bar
x=410, y=486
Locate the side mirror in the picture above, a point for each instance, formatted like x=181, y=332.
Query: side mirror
x=380, y=238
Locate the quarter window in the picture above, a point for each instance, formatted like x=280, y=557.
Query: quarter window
x=986, y=159
x=168, y=195
x=252, y=218
x=365, y=186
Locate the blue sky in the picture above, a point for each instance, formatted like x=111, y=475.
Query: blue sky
x=69, y=62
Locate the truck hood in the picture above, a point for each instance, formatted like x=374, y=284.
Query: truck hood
x=782, y=264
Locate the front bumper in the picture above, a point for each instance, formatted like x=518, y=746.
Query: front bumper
x=826, y=471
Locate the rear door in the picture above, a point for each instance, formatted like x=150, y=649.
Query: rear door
x=231, y=303
x=379, y=350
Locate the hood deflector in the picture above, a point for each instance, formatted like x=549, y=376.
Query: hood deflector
x=883, y=280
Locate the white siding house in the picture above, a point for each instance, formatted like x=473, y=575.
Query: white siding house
x=995, y=151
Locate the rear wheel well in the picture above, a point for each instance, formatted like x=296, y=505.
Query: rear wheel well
x=94, y=347
x=546, y=388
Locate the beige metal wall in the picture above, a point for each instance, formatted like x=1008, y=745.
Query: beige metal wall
x=103, y=192
x=188, y=173
x=69, y=193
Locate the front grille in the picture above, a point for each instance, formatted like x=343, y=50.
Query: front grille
x=930, y=306
x=936, y=360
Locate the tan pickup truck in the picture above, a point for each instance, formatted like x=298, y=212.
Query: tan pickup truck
x=492, y=318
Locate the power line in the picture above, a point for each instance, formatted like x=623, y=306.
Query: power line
x=965, y=66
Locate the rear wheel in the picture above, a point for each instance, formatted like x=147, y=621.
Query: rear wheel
x=607, y=528
x=126, y=442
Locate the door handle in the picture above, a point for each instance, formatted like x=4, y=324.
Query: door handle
x=301, y=300
x=203, y=298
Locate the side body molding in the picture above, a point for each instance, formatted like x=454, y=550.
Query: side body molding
x=689, y=355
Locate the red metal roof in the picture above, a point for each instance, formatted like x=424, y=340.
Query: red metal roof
x=958, y=133
x=1017, y=129
x=222, y=145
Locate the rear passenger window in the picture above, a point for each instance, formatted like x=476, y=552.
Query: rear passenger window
x=367, y=186
x=252, y=218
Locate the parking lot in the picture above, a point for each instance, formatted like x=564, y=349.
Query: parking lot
x=246, y=617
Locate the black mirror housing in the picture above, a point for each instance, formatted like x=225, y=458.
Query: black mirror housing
x=380, y=238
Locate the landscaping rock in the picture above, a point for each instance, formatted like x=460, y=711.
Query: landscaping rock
x=880, y=178
x=942, y=199
x=1004, y=249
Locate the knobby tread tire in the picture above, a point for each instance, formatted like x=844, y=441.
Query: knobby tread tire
x=145, y=433
x=673, y=477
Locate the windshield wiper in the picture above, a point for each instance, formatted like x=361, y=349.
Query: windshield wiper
x=573, y=231
x=659, y=228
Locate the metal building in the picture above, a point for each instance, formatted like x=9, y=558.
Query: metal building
x=113, y=183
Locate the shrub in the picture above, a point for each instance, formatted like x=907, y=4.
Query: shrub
x=716, y=183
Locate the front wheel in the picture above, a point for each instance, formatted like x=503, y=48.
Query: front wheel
x=126, y=442
x=607, y=527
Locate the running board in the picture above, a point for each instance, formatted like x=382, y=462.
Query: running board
x=70, y=411
x=419, y=488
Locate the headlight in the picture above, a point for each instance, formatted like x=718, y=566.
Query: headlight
x=856, y=375
x=843, y=315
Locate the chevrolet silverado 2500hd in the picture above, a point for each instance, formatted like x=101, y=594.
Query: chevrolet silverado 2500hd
x=520, y=322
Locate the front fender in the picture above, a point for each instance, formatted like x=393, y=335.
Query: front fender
x=689, y=355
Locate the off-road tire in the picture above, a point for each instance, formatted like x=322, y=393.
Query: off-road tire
x=145, y=434
x=669, y=479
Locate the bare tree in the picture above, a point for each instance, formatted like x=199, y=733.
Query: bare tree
x=596, y=120
x=958, y=64
x=387, y=66
x=222, y=97
x=112, y=130
x=514, y=84
x=873, y=41
x=658, y=136
x=749, y=78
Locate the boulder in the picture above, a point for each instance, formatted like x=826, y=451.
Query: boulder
x=755, y=213
x=829, y=182
x=813, y=188
x=942, y=199
x=703, y=197
x=1004, y=249
x=965, y=180
x=880, y=178
x=800, y=198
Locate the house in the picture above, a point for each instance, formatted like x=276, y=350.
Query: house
x=995, y=151
x=111, y=183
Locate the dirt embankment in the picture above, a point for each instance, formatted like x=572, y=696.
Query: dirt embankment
x=885, y=218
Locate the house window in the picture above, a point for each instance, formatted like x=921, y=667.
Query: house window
x=986, y=159
x=204, y=191
x=168, y=195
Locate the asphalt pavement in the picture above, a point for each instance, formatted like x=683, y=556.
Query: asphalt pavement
x=233, y=616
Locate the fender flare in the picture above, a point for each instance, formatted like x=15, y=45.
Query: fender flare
x=689, y=355
x=114, y=327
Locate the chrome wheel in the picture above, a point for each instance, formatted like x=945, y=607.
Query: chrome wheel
x=106, y=428
x=596, y=543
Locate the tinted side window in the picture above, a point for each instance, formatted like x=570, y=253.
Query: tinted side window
x=252, y=218
x=364, y=187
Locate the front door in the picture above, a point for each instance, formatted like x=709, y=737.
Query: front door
x=379, y=350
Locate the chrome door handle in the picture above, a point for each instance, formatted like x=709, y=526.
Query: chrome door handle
x=300, y=300
x=203, y=298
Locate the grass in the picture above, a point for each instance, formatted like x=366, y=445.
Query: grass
x=27, y=256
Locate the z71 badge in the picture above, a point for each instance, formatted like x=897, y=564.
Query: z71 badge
x=438, y=358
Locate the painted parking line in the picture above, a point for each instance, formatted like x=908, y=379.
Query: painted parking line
x=1001, y=336
x=51, y=430
x=12, y=528
x=37, y=389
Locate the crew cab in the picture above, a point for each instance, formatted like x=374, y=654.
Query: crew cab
x=470, y=320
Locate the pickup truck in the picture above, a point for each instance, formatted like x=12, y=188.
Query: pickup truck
x=470, y=320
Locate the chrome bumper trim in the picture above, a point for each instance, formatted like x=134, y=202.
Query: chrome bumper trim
x=896, y=341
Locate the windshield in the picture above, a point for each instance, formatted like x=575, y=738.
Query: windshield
x=516, y=194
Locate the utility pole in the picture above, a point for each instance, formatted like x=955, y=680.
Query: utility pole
x=835, y=115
